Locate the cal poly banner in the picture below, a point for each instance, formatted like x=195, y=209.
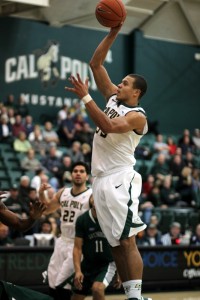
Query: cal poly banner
x=36, y=60
x=9, y=291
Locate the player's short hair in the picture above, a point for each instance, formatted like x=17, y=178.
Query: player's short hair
x=139, y=83
x=81, y=163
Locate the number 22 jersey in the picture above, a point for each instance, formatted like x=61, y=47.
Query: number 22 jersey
x=72, y=206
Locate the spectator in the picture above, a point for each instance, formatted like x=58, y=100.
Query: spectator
x=196, y=186
x=173, y=237
x=5, y=130
x=49, y=135
x=86, y=150
x=196, y=138
x=160, y=169
x=38, y=144
x=195, y=238
x=22, y=108
x=13, y=202
x=30, y=162
x=5, y=239
x=67, y=130
x=10, y=101
x=75, y=152
x=21, y=144
x=11, y=115
x=147, y=186
x=18, y=126
x=45, y=227
x=28, y=124
x=155, y=219
x=37, y=179
x=171, y=145
x=152, y=236
x=64, y=173
x=160, y=146
x=189, y=160
x=52, y=163
x=24, y=187
x=62, y=114
x=184, y=187
x=87, y=134
x=176, y=166
x=186, y=145
x=3, y=109
x=169, y=195
x=186, y=132
x=147, y=204
x=36, y=133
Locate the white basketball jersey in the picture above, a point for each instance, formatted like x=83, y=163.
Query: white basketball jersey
x=114, y=151
x=71, y=208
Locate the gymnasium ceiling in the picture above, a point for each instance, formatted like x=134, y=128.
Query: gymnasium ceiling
x=171, y=20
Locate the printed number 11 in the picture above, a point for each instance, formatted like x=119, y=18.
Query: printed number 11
x=99, y=246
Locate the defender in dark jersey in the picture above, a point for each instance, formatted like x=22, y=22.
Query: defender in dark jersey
x=97, y=268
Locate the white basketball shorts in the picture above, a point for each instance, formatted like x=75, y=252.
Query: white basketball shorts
x=61, y=266
x=116, y=201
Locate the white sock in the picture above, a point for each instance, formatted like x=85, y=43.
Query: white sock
x=132, y=288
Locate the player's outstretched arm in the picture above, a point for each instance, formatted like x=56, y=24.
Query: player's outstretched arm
x=51, y=205
x=12, y=220
x=102, y=79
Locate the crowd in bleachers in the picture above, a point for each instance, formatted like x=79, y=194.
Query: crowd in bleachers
x=33, y=153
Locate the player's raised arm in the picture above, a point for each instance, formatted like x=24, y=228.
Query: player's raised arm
x=12, y=220
x=51, y=205
x=102, y=79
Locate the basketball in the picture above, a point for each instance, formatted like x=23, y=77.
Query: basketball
x=110, y=13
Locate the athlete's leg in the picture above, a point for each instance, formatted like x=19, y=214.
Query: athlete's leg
x=130, y=267
x=128, y=259
x=98, y=291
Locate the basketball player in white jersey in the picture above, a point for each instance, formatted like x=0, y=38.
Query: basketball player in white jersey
x=117, y=186
x=73, y=202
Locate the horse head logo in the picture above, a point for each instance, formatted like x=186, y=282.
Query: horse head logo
x=47, y=65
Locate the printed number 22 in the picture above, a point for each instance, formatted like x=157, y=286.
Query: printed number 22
x=69, y=216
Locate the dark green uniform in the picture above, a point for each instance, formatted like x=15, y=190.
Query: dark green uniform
x=97, y=263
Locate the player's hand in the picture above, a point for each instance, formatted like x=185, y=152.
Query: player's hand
x=78, y=280
x=3, y=195
x=44, y=187
x=80, y=88
x=37, y=208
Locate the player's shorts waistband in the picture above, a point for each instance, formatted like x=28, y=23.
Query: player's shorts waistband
x=69, y=240
x=114, y=171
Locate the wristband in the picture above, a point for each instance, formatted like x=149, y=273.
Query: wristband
x=87, y=98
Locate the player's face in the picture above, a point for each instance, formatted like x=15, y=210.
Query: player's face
x=126, y=90
x=79, y=175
